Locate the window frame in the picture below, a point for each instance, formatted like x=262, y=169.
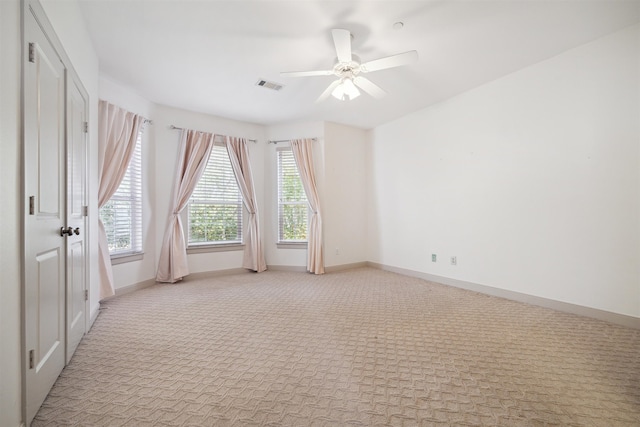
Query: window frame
x=282, y=243
x=135, y=197
x=212, y=246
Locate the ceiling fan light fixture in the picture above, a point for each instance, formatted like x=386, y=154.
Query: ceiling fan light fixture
x=346, y=90
x=348, y=68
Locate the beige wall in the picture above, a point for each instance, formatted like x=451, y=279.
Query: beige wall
x=344, y=198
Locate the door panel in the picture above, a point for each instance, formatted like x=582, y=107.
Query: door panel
x=45, y=188
x=49, y=81
x=49, y=333
x=76, y=218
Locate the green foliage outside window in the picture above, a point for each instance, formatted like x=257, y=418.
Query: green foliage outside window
x=292, y=200
x=112, y=213
x=121, y=215
x=214, y=223
x=294, y=221
x=215, y=207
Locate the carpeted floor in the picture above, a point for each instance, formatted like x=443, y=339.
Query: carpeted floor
x=360, y=347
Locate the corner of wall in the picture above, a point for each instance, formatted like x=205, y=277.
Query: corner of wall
x=11, y=214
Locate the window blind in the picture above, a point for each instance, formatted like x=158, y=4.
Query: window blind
x=215, y=207
x=122, y=214
x=293, y=209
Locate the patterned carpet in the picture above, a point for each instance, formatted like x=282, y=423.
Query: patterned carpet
x=356, y=348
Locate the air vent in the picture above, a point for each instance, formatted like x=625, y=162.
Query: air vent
x=269, y=85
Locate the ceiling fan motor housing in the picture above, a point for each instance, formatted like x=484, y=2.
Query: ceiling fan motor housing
x=352, y=68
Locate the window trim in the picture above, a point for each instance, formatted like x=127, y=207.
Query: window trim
x=207, y=247
x=125, y=258
x=291, y=245
x=134, y=254
x=215, y=247
x=288, y=244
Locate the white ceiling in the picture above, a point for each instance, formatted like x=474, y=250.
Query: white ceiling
x=207, y=56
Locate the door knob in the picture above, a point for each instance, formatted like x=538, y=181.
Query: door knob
x=67, y=231
x=76, y=231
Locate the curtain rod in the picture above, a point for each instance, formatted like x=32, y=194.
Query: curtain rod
x=172, y=127
x=285, y=140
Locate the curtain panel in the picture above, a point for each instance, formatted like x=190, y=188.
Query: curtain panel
x=302, y=153
x=253, y=258
x=195, y=148
x=117, y=135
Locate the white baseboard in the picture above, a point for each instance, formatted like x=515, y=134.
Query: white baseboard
x=292, y=268
x=329, y=269
x=93, y=316
x=206, y=274
x=131, y=288
x=607, y=316
x=192, y=276
x=342, y=267
x=215, y=273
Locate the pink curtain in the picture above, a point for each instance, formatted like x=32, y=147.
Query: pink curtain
x=239, y=156
x=302, y=153
x=117, y=135
x=195, y=148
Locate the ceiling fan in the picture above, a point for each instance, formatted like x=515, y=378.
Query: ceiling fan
x=349, y=68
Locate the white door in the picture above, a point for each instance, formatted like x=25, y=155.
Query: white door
x=45, y=191
x=76, y=216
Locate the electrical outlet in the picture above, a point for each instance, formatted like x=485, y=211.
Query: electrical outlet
x=454, y=260
x=434, y=258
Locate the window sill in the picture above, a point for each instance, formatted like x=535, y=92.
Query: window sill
x=225, y=247
x=125, y=258
x=291, y=245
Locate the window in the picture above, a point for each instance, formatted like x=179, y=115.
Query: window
x=293, y=209
x=215, y=207
x=122, y=214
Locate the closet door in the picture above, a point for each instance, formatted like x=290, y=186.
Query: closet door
x=77, y=295
x=45, y=216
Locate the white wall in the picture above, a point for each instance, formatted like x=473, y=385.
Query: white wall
x=167, y=150
x=286, y=256
x=344, y=197
x=134, y=272
x=339, y=160
x=532, y=181
x=10, y=214
x=341, y=183
x=160, y=151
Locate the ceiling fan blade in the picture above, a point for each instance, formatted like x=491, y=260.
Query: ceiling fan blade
x=328, y=90
x=390, y=61
x=342, y=41
x=368, y=86
x=307, y=73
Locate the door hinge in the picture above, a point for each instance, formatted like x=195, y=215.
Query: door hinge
x=86, y=295
x=85, y=211
x=32, y=205
x=32, y=52
x=85, y=127
x=30, y=359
